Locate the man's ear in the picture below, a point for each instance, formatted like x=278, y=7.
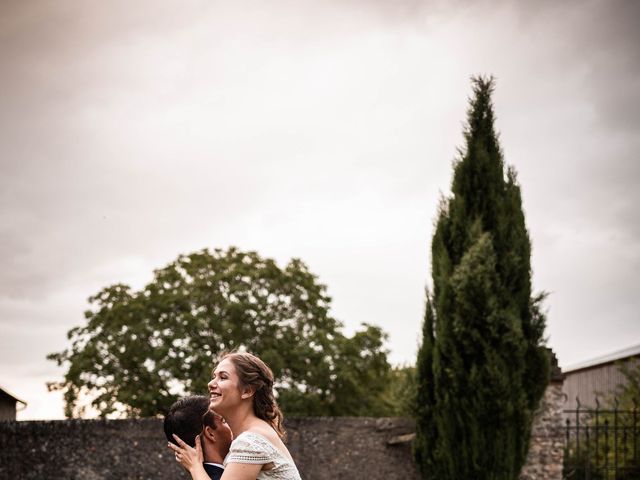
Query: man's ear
x=209, y=434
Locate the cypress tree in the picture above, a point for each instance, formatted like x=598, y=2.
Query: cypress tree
x=482, y=368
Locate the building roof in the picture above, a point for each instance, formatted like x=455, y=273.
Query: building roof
x=5, y=392
x=628, y=352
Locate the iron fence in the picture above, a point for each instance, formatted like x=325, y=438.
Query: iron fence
x=602, y=443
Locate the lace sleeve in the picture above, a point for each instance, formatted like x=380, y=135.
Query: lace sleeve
x=249, y=449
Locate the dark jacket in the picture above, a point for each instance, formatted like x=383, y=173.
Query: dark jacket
x=213, y=471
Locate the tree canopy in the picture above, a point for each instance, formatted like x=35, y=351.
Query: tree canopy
x=482, y=368
x=140, y=350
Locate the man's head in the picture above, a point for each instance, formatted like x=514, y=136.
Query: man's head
x=216, y=433
x=190, y=416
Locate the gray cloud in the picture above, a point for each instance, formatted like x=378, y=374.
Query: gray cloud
x=325, y=131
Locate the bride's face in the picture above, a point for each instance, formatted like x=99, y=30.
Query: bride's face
x=224, y=388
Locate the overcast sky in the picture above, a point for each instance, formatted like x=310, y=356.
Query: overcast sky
x=131, y=132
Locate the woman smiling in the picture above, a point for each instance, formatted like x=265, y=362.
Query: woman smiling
x=241, y=390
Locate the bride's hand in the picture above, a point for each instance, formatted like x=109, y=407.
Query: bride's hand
x=190, y=458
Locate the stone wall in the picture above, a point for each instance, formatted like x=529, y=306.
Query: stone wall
x=85, y=449
x=327, y=448
x=324, y=448
x=546, y=450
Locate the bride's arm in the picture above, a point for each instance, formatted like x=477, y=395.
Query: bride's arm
x=241, y=471
x=190, y=458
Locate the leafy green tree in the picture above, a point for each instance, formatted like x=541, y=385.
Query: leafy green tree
x=628, y=393
x=140, y=350
x=482, y=367
x=400, y=392
x=425, y=442
x=622, y=425
x=360, y=363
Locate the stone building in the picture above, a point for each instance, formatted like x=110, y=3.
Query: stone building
x=599, y=377
x=8, y=405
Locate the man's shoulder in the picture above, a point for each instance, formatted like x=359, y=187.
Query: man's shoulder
x=214, y=471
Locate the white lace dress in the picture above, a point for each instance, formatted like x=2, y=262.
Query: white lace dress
x=253, y=448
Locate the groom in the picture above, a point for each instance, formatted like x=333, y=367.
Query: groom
x=190, y=416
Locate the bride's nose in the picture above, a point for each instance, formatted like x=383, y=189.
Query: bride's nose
x=212, y=384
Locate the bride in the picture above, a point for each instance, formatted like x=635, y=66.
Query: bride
x=241, y=390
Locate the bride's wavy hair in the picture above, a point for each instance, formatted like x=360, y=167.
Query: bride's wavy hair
x=255, y=374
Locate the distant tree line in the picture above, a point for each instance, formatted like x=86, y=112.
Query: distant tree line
x=140, y=350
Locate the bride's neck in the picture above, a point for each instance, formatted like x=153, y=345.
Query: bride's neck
x=240, y=420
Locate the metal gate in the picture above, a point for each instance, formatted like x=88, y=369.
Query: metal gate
x=602, y=443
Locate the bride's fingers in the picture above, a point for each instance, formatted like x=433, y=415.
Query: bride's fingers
x=174, y=447
x=181, y=442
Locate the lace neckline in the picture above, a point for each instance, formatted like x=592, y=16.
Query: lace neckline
x=266, y=441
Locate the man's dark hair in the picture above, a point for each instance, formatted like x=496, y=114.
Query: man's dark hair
x=185, y=418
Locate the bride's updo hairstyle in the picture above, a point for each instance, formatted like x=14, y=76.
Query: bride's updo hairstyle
x=255, y=374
